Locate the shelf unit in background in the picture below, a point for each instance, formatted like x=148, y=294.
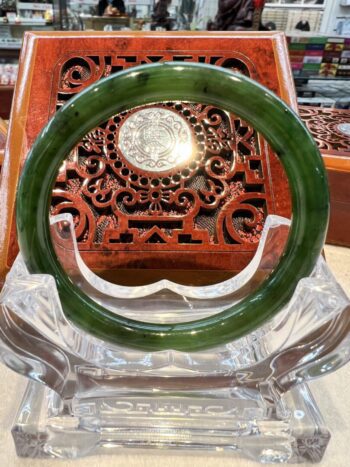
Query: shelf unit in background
x=329, y=17
x=286, y=14
x=11, y=35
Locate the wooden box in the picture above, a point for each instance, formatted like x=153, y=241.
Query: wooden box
x=174, y=223
x=331, y=130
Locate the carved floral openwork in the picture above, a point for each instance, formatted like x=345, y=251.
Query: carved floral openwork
x=328, y=127
x=126, y=198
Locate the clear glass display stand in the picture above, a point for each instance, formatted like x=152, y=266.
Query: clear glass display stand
x=250, y=397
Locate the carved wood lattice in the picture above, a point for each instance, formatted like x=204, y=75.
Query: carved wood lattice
x=216, y=203
x=329, y=127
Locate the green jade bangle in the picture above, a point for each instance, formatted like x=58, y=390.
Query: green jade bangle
x=173, y=82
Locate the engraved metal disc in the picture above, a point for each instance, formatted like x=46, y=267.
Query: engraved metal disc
x=156, y=140
x=344, y=128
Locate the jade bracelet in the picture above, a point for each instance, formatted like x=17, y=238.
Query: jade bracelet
x=191, y=82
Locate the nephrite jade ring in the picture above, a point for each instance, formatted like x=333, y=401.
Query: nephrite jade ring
x=177, y=82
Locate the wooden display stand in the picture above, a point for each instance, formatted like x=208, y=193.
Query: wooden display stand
x=207, y=216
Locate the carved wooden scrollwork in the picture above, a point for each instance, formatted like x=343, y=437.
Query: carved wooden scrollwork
x=126, y=195
x=329, y=127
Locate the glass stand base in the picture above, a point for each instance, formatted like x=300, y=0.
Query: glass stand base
x=247, y=397
x=109, y=412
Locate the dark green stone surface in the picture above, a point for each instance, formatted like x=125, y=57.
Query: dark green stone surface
x=188, y=82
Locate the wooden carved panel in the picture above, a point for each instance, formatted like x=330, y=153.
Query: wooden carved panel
x=217, y=201
x=146, y=209
x=331, y=130
x=329, y=127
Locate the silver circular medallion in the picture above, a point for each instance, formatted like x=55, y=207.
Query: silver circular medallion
x=344, y=128
x=156, y=140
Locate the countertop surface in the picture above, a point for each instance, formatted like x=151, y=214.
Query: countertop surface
x=332, y=394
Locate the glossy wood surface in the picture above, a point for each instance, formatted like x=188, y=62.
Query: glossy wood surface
x=339, y=223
